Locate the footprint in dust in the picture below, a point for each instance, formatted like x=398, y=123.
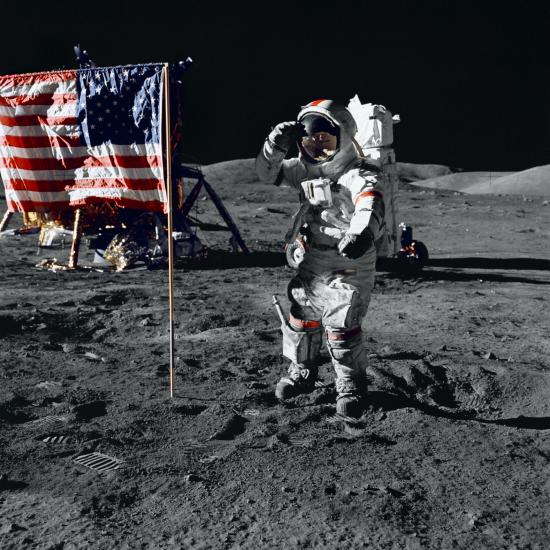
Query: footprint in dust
x=233, y=426
x=475, y=402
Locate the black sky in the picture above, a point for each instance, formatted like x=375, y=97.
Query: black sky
x=470, y=80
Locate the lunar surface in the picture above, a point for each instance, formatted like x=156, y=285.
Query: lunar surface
x=454, y=451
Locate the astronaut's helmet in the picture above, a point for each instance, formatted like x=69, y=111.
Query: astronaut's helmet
x=327, y=126
x=321, y=138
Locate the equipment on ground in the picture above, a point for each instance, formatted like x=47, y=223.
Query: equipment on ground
x=413, y=254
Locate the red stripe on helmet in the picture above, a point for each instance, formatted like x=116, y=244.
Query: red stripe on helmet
x=316, y=102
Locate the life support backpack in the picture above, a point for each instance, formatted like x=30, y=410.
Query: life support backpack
x=374, y=139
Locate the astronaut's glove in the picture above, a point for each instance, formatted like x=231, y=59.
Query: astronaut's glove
x=354, y=246
x=285, y=134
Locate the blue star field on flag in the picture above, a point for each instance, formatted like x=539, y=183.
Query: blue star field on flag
x=120, y=105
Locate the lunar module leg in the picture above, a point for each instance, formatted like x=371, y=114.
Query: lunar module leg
x=5, y=220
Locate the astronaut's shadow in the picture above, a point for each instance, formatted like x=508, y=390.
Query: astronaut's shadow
x=530, y=264
x=390, y=267
x=395, y=269
x=387, y=402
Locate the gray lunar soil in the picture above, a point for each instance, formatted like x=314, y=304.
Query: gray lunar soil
x=454, y=451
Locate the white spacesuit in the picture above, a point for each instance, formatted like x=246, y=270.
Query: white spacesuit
x=342, y=206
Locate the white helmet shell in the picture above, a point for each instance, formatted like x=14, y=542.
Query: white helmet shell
x=347, y=153
x=334, y=111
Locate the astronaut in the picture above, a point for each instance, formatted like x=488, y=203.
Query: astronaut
x=342, y=206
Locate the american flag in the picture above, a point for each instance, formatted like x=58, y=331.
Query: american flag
x=69, y=138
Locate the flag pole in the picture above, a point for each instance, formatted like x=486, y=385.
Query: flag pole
x=168, y=180
x=75, y=245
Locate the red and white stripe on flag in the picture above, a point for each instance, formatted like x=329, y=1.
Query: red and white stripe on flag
x=44, y=164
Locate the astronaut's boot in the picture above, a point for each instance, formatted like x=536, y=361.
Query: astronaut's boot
x=351, y=397
x=349, y=359
x=301, y=345
x=300, y=379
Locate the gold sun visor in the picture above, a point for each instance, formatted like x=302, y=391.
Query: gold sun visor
x=320, y=146
x=320, y=140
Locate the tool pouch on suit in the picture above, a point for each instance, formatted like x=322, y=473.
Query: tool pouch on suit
x=301, y=347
